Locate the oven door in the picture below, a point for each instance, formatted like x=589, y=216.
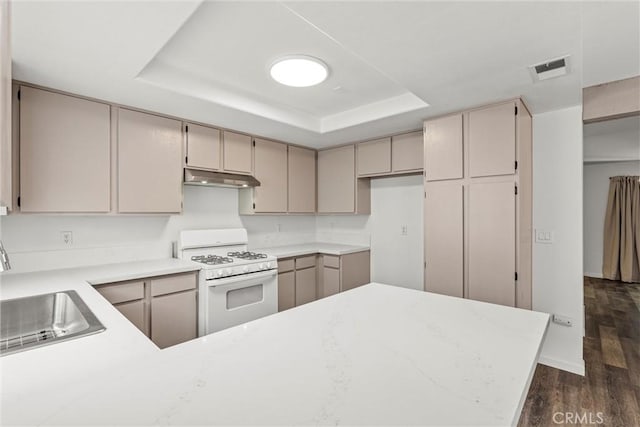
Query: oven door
x=240, y=299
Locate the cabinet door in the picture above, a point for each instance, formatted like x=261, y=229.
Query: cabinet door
x=286, y=291
x=336, y=180
x=203, y=147
x=443, y=148
x=305, y=285
x=355, y=270
x=302, y=180
x=492, y=140
x=149, y=163
x=135, y=313
x=330, y=282
x=270, y=163
x=443, y=239
x=407, y=152
x=237, y=153
x=374, y=157
x=491, y=219
x=64, y=153
x=173, y=318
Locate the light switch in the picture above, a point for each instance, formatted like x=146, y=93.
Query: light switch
x=544, y=236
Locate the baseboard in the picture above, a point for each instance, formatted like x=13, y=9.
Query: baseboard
x=575, y=368
x=596, y=275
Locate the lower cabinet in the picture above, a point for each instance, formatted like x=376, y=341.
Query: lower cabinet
x=173, y=318
x=310, y=277
x=341, y=273
x=306, y=283
x=286, y=290
x=297, y=279
x=164, y=308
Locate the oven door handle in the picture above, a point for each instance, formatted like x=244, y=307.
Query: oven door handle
x=241, y=278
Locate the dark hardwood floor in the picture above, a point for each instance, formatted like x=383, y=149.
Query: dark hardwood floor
x=609, y=393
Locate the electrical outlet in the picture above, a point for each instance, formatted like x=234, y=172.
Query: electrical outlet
x=403, y=230
x=562, y=320
x=67, y=237
x=544, y=236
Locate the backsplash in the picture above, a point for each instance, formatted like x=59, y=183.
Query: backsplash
x=35, y=242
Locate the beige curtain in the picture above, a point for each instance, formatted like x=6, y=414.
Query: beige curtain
x=622, y=230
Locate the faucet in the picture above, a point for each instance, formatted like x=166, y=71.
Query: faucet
x=4, y=259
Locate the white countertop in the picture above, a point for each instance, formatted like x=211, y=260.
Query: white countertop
x=374, y=355
x=311, y=248
x=59, y=367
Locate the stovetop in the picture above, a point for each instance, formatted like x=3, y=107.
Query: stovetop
x=212, y=259
x=231, y=259
x=246, y=255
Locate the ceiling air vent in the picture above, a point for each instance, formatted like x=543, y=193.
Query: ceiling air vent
x=549, y=69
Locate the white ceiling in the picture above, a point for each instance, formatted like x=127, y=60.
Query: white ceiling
x=209, y=61
x=612, y=140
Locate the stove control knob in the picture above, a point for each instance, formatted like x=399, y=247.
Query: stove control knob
x=270, y=265
x=218, y=273
x=262, y=266
x=245, y=269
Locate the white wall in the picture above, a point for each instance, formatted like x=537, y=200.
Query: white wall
x=396, y=259
x=557, y=207
x=34, y=242
x=596, y=193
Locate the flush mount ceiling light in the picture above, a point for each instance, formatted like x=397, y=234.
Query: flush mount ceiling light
x=299, y=71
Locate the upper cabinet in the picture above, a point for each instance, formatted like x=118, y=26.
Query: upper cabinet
x=203, y=147
x=374, y=157
x=407, y=152
x=443, y=148
x=400, y=154
x=336, y=180
x=270, y=164
x=149, y=163
x=492, y=140
x=477, y=207
x=338, y=189
x=64, y=153
x=237, y=153
x=302, y=180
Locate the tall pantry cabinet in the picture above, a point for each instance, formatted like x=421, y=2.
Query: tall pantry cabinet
x=478, y=189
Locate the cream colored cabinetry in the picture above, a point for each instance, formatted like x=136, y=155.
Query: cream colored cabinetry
x=374, y=157
x=400, y=154
x=164, y=308
x=296, y=281
x=443, y=148
x=491, y=133
x=341, y=273
x=149, y=163
x=129, y=299
x=286, y=287
x=478, y=204
x=237, y=153
x=270, y=167
x=64, y=153
x=407, y=152
x=302, y=180
x=338, y=189
x=204, y=148
x=305, y=279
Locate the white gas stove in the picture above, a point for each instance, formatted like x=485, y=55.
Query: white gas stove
x=235, y=286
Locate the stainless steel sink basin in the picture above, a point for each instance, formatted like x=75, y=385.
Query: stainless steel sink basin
x=32, y=322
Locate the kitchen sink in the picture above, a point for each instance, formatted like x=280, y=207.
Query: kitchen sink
x=35, y=321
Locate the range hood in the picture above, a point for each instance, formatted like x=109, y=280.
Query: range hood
x=219, y=179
